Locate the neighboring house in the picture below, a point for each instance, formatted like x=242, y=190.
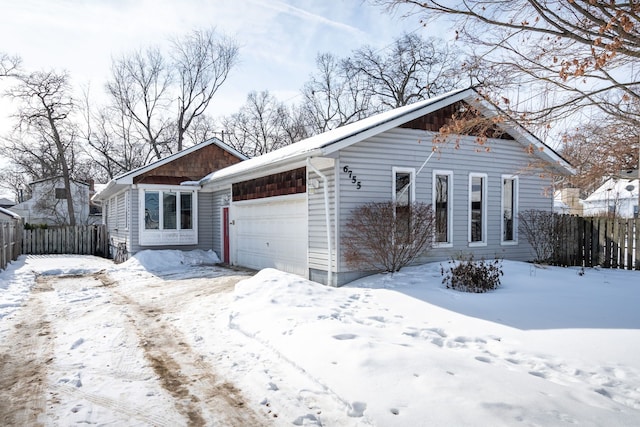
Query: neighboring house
x=616, y=197
x=6, y=203
x=48, y=202
x=7, y=216
x=148, y=208
x=288, y=209
x=567, y=201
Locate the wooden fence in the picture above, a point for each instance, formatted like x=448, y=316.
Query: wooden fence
x=10, y=242
x=81, y=240
x=605, y=242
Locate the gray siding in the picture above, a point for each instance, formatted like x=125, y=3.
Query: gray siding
x=218, y=201
x=372, y=161
x=117, y=222
x=317, y=228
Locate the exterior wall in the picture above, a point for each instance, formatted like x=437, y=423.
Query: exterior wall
x=205, y=225
x=44, y=208
x=317, y=228
x=372, y=161
x=219, y=199
x=116, y=217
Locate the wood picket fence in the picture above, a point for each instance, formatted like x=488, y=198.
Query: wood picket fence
x=10, y=242
x=596, y=241
x=80, y=240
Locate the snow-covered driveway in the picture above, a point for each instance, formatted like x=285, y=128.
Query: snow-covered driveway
x=98, y=348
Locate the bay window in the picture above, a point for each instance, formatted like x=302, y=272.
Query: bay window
x=168, y=216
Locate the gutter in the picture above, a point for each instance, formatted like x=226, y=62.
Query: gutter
x=327, y=220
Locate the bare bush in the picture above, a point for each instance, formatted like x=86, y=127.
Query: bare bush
x=385, y=236
x=469, y=275
x=543, y=230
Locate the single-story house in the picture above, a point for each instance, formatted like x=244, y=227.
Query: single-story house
x=48, y=202
x=288, y=209
x=148, y=208
x=616, y=197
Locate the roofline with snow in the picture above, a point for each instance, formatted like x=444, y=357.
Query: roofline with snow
x=121, y=181
x=334, y=140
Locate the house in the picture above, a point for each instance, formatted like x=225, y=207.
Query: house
x=288, y=209
x=48, y=202
x=567, y=201
x=148, y=208
x=616, y=197
x=7, y=216
x=6, y=203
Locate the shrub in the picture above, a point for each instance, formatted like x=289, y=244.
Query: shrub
x=383, y=236
x=543, y=230
x=468, y=275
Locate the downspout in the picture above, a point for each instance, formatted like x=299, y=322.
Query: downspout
x=327, y=220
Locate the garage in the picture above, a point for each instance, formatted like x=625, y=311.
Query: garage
x=262, y=236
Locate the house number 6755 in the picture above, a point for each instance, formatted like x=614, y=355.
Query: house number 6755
x=353, y=178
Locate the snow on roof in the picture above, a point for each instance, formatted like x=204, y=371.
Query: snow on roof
x=338, y=138
x=9, y=213
x=615, y=188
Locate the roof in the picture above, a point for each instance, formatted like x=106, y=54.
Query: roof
x=53, y=178
x=6, y=202
x=615, y=189
x=342, y=137
x=9, y=213
x=125, y=179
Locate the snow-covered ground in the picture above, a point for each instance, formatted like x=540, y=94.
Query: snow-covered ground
x=168, y=338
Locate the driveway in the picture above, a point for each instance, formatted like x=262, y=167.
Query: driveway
x=96, y=348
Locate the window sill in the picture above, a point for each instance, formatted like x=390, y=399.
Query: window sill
x=477, y=244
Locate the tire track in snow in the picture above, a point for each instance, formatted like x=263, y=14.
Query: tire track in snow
x=199, y=394
x=24, y=360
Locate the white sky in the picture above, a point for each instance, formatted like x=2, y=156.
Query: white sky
x=279, y=40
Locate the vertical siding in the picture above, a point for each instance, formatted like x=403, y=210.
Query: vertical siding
x=372, y=161
x=318, y=251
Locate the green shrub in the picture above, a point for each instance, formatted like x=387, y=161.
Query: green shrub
x=467, y=275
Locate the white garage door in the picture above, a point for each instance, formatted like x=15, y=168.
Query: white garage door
x=271, y=233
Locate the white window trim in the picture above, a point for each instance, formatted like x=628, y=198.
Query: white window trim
x=449, y=173
x=484, y=177
x=516, y=191
x=412, y=173
x=161, y=237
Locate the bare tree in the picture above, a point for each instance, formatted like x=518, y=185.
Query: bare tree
x=139, y=88
x=262, y=125
x=46, y=134
x=9, y=65
x=565, y=55
x=202, y=61
x=410, y=70
x=599, y=149
x=334, y=96
x=165, y=94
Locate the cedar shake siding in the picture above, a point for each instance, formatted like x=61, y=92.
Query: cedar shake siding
x=190, y=167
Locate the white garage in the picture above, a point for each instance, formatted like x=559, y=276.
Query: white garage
x=263, y=237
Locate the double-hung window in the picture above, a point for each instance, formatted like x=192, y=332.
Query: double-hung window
x=477, y=209
x=168, y=217
x=443, y=207
x=509, y=209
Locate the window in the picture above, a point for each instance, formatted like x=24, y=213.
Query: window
x=442, y=203
x=168, y=217
x=403, y=196
x=61, y=193
x=477, y=209
x=509, y=209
